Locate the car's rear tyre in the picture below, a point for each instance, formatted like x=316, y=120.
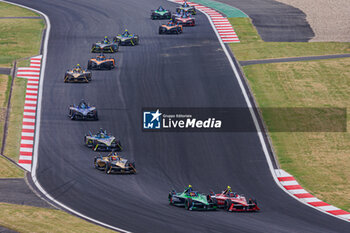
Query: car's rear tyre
x=188, y=204
x=214, y=201
x=93, y=146
x=115, y=48
x=170, y=198
x=119, y=147
x=252, y=201
x=227, y=204
x=96, y=164
x=107, y=168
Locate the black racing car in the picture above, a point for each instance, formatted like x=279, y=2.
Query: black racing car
x=102, y=141
x=127, y=39
x=113, y=163
x=105, y=46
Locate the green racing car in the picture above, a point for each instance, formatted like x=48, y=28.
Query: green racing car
x=192, y=200
x=160, y=13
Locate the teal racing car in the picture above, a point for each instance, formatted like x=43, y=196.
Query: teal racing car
x=160, y=13
x=192, y=200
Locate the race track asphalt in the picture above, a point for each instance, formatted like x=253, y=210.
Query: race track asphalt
x=275, y=21
x=188, y=70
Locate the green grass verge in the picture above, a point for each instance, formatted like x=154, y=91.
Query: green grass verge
x=319, y=161
x=5, y=81
x=33, y=219
x=7, y=169
x=23, y=63
x=19, y=38
x=13, y=139
x=9, y=10
x=253, y=48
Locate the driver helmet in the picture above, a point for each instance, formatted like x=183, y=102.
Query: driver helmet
x=82, y=104
x=102, y=133
x=126, y=33
x=101, y=57
x=189, y=189
x=77, y=68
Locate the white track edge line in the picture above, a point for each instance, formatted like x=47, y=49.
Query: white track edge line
x=261, y=138
x=37, y=128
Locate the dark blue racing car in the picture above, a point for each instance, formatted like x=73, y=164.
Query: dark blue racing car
x=82, y=111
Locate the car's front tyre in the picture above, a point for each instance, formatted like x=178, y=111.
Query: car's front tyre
x=188, y=204
x=227, y=204
x=170, y=198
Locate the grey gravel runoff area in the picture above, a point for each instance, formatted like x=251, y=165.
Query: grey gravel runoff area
x=329, y=19
x=275, y=21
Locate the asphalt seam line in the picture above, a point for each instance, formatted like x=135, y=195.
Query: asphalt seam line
x=293, y=59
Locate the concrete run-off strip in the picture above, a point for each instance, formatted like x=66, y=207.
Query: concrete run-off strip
x=5, y=230
x=292, y=59
x=16, y=191
x=275, y=21
x=4, y=70
x=229, y=11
